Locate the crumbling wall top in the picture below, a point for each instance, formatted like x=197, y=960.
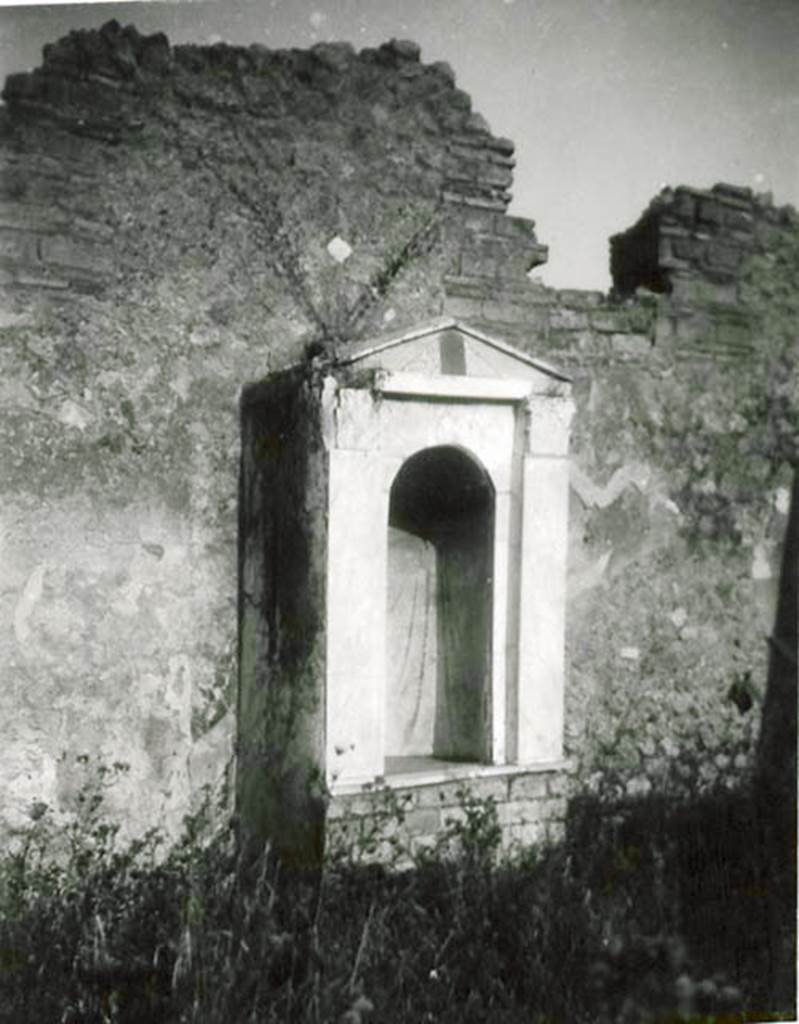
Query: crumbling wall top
x=688, y=233
x=99, y=83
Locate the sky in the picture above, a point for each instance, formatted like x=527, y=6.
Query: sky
x=606, y=100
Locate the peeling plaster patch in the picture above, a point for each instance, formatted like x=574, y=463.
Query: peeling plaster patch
x=389, y=315
x=28, y=600
x=126, y=603
x=156, y=550
x=589, y=577
x=180, y=680
x=671, y=506
x=679, y=617
x=598, y=496
x=782, y=500
x=379, y=113
x=761, y=568
x=630, y=653
x=209, y=758
x=180, y=383
x=202, y=337
x=73, y=415
x=14, y=319
x=339, y=249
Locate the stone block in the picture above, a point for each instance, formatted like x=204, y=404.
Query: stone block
x=528, y=834
x=585, y=342
x=554, y=809
x=686, y=248
x=521, y=812
x=742, y=192
x=539, y=254
x=477, y=123
x=732, y=336
x=498, y=160
x=502, y=145
x=155, y=54
x=535, y=317
x=555, y=831
x=465, y=308
x=710, y=212
x=630, y=345
x=469, y=287
x=423, y=844
x=528, y=787
x=21, y=86
x=474, y=264
x=727, y=257
x=494, y=787
x=335, y=56
x=452, y=815
x=434, y=796
x=684, y=205
x=19, y=246
x=65, y=251
x=573, y=298
x=568, y=319
x=515, y=264
x=739, y=220
x=527, y=292
x=513, y=227
x=446, y=794
x=498, y=176
x=479, y=222
x=444, y=70
x=607, y=321
x=40, y=281
x=557, y=785
x=406, y=49
x=475, y=198
x=422, y=820
x=353, y=805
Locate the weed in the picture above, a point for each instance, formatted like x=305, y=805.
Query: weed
x=649, y=911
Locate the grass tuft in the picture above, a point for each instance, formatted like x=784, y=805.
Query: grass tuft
x=650, y=911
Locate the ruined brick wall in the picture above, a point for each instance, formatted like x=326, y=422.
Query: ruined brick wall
x=165, y=218
x=679, y=504
x=178, y=222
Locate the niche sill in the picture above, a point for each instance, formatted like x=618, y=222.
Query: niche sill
x=405, y=772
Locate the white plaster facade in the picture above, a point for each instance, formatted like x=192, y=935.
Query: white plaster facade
x=511, y=414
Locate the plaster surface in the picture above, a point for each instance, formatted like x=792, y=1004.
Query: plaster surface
x=516, y=431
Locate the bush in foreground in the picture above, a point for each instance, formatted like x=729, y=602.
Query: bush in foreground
x=648, y=912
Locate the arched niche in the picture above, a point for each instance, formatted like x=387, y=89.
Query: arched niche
x=439, y=606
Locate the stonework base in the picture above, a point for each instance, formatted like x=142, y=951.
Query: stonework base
x=397, y=818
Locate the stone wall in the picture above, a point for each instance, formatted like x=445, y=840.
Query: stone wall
x=400, y=822
x=177, y=222
x=679, y=501
x=174, y=224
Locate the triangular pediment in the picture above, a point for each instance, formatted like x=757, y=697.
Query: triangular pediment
x=450, y=348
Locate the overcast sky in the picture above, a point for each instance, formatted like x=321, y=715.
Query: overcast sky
x=606, y=100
